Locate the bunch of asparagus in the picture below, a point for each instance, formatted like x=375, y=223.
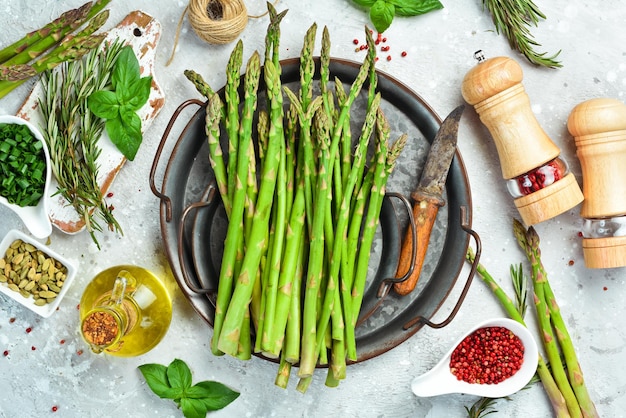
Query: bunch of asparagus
x=297, y=247
x=45, y=48
x=564, y=384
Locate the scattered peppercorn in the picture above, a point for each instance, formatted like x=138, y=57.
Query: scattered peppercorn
x=5, y=353
x=403, y=53
x=62, y=342
x=355, y=41
x=11, y=320
x=487, y=356
x=605, y=288
x=388, y=57
x=110, y=194
x=28, y=330
x=571, y=262
x=33, y=348
x=55, y=408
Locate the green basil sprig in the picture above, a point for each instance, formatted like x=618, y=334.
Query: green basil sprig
x=119, y=106
x=382, y=12
x=174, y=382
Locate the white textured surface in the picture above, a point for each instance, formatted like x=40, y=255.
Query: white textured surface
x=40, y=372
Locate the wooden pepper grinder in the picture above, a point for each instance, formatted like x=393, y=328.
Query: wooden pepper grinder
x=599, y=130
x=537, y=178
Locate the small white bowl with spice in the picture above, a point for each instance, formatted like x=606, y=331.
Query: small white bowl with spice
x=32, y=274
x=494, y=359
x=25, y=173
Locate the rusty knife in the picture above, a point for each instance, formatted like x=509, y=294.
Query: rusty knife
x=427, y=199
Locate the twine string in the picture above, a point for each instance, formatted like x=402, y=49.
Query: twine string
x=214, y=21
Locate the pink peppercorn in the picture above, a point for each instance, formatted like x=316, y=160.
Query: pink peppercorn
x=487, y=356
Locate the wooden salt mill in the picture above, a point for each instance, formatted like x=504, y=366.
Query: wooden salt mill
x=599, y=130
x=537, y=178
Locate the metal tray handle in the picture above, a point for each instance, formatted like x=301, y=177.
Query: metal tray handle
x=165, y=200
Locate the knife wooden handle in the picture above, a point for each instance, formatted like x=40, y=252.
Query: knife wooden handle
x=424, y=212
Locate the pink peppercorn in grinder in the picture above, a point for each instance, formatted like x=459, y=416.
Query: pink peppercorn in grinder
x=537, y=178
x=599, y=130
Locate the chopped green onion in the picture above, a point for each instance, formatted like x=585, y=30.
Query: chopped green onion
x=22, y=165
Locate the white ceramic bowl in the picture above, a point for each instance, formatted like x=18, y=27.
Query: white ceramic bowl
x=440, y=380
x=49, y=308
x=35, y=218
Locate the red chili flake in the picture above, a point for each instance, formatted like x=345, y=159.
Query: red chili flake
x=11, y=320
x=571, y=262
x=79, y=352
x=384, y=40
x=28, y=330
x=604, y=288
x=487, y=356
x=355, y=41
x=388, y=57
x=110, y=194
x=403, y=53
x=375, y=59
x=5, y=353
x=580, y=234
x=78, y=306
x=384, y=48
x=62, y=342
x=55, y=408
x=33, y=348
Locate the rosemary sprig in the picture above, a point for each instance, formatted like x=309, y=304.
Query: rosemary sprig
x=513, y=18
x=520, y=286
x=72, y=132
x=481, y=408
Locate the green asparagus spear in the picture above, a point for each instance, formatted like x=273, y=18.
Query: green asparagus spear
x=554, y=394
x=550, y=317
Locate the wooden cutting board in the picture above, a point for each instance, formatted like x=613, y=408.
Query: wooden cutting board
x=142, y=32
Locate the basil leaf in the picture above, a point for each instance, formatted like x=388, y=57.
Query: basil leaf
x=215, y=395
x=178, y=372
x=103, y=104
x=126, y=71
x=138, y=93
x=381, y=15
x=156, y=378
x=415, y=7
x=193, y=408
x=365, y=3
x=125, y=133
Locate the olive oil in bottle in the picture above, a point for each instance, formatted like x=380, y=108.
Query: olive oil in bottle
x=125, y=311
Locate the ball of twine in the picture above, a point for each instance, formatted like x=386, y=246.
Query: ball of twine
x=217, y=21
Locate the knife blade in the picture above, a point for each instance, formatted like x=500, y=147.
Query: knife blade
x=427, y=199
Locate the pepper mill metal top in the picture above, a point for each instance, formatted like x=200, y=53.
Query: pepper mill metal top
x=528, y=157
x=599, y=130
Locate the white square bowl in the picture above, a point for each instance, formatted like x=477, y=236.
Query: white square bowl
x=49, y=308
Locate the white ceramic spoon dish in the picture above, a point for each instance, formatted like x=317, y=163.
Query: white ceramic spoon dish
x=35, y=218
x=440, y=380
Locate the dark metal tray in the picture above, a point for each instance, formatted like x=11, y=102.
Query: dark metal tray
x=193, y=226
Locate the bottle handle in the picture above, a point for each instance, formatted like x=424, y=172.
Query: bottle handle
x=123, y=281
